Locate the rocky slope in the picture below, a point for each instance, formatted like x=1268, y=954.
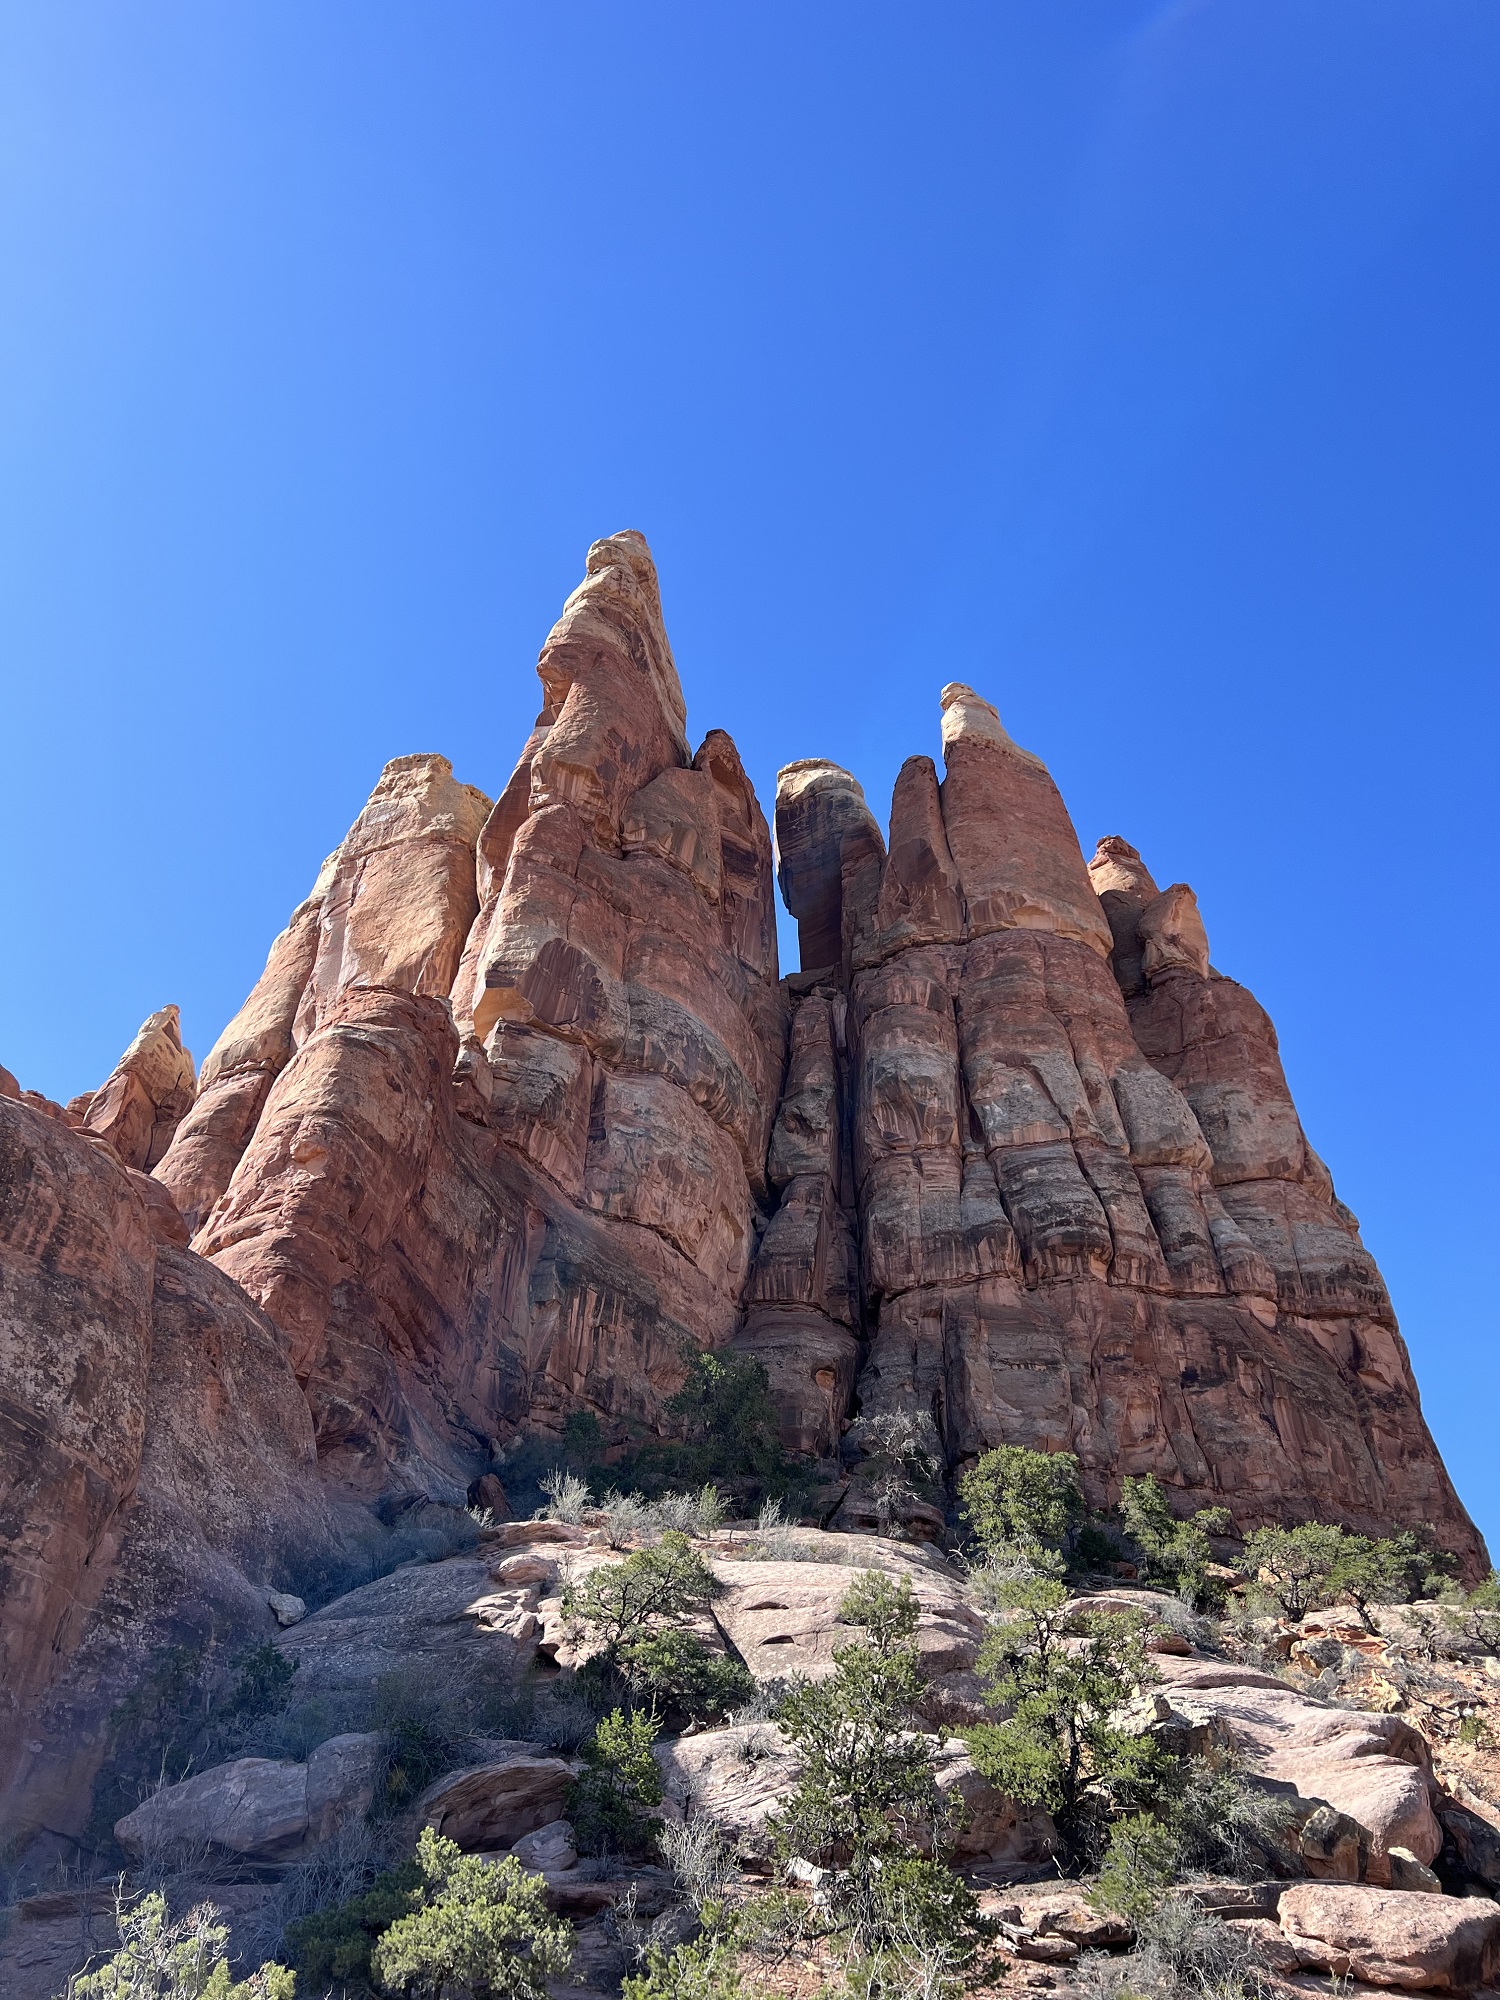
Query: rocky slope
x=520, y=1109
x=1373, y=1804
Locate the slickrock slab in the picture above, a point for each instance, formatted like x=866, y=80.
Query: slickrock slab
x=449, y=1616
x=782, y=1618
x=1435, y=1944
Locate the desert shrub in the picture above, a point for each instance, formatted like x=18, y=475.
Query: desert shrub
x=1197, y=1952
x=1096, y=1546
x=191, y=1708
x=868, y=1793
x=1174, y=1552
x=764, y=1705
x=1223, y=1822
x=1140, y=1862
x=481, y=1931
x=335, y=1871
x=724, y=1430
x=424, y=1712
x=932, y=1940
x=779, y=1540
x=701, y=1865
x=697, y=1513
x=1486, y=1596
x=186, y=1960
x=610, y=1800
x=638, y=1614
x=1019, y=1500
x=1062, y=1679
x=626, y=1515
x=568, y=1497
x=560, y=1716
x=332, y=1945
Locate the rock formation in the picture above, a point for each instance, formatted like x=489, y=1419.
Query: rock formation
x=1040, y=1176
x=487, y=1139
x=520, y=1112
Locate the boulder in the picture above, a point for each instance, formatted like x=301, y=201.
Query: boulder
x=1477, y=1843
x=736, y=1777
x=1422, y=1943
x=1373, y=1769
x=493, y=1805
x=258, y=1808
x=1409, y=1873
x=1273, y=1948
x=782, y=1618
x=549, y=1848
x=739, y=1776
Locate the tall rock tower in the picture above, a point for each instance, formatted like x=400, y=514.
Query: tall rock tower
x=1039, y=1176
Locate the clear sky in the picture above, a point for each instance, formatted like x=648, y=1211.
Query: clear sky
x=1136, y=363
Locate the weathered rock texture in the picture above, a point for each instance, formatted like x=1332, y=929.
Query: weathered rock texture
x=140, y=1105
x=157, y=1462
x=1039, y=1175
x=519, y=1111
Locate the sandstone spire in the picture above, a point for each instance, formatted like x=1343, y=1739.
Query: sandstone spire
x=143, y=1100
x=1009, y=831
x=828, y=857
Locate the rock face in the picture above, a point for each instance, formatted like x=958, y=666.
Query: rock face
x=157, y=1461
x=519, y=1112
x=1039, y=1176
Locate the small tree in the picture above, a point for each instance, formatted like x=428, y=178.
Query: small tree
x=332, y=1946
x=702, y=1970
x=1138, y=1867
x=1015, y=1499
x=612, y=1797
x=1391, y=1571
x=483, y=1931
x=1296, y=1564
x=638, y=1612
x=1063, y=1676
x=1175, y=1552
x=728, y=1430
x=185, y=1960
x=868, y=1791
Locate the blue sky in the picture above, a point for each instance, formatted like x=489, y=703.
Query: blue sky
x=1133, y=362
